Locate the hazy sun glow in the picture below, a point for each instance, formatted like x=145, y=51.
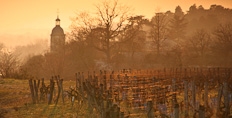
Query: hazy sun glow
x=24, y=21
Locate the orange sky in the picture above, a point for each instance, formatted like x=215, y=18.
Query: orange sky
x=24, y=21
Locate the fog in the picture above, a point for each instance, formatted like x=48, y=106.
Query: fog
x=39, y=47
x=200, y=37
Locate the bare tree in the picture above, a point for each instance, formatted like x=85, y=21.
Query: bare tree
x=223, y=36
x=223, y=42
x=104, y=26
x=200, y=43
x=8, y=63
x=132, y=38
x=158, y=31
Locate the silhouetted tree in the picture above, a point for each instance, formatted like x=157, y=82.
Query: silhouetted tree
x=79, y=56
x=8, y=63
x=177, y=26
x=223, y=43
x=34, y=67
x=201, y=8
x=132, y=38
x=179, y=12
x=199, y=45
x=103, y=27
x=193, y=8
x=158, y=32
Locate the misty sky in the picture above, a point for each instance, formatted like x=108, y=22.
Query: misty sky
x=24, y=21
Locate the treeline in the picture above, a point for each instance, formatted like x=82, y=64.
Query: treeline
x=112, y=39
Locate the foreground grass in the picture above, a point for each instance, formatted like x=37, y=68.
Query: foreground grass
x=51, y=111
x=13, y=95
x=15, y=102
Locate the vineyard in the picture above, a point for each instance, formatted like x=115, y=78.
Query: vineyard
x=174, y=93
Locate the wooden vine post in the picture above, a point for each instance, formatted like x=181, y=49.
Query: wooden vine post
x=60, y=89
x=226, y=99
x=121, y=115
x=193, y=97
x=150, y=110
x=32, y=91
x=50, y=93
x=206, y=94
x=201, y=111
x=77, y=80
x=36, y=88
x=104, y=81
x=186, y=98
x=174, y=101
x=43, y=90
x=219, y=100
x=176, y=110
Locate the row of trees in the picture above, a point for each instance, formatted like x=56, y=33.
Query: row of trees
x=12, y=60
x=168, y=39
x=113, y=39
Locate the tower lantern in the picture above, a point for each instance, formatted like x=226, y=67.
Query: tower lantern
x=57, y=21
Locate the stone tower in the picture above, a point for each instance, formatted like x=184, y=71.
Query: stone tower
x=57, y=38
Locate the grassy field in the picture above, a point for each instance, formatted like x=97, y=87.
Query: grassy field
x=14, y=94
x=16, y=102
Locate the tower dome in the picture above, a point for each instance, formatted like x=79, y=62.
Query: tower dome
x=57, y=30
x=57, y=37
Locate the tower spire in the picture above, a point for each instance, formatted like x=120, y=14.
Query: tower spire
x=57, y=19
x=57, y=13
